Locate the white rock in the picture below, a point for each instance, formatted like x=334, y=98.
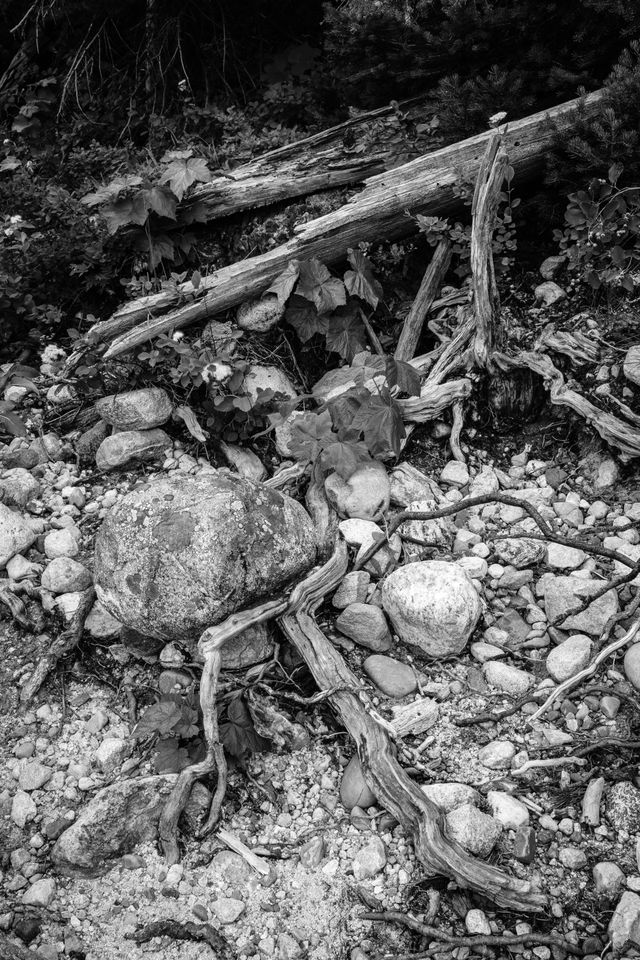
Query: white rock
x=455, y=474
x=260, y=377
x=483, y=652
x=136, y=409
x=433, y=605
x=549, y=293
x=563, y=593
x=65, y=575
x=507, y=810
x=607, y=475
x=40, y=893
x=632, y=665
x=485, y=482
x=131, y=446
x=497, y=755
x=608, y=879
x=357, y=531
x=68, y=604
x=519, y=553
x=370, y=860
x=449, y=796
x=624, y=926
x=475, y=831
x=631, y=364
x=261, y=314
x=366, y=494
x=100, y=624
x=569, y=658
x=477, y=922
x=16, y=535
x=564, y=558
x=475, y=567
x=19, y=568
x=23, y=809
x=228, y=909
x=408, y=483
x=505, y=677
x=111, y=753
x=439, y=531
x=551, y=266
x=60, y=543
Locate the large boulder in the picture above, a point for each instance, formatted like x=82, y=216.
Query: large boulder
x=433, y=605
x=181, y=554
x=136, y=409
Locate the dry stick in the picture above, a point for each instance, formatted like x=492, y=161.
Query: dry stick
x=492, y=940
x=576, y=680
x=431, y=281
x=456, y=429
x=547, y=762
x=187, y=930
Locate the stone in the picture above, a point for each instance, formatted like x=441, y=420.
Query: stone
x=549, y=293
x=181, y=554
x=475, y=831
x=87, y=445
x=484, y=483
x=551, y=267
x=631, y=364
x=312, y=852
x=114, y=822
x=455, y=474
x=18, y=487
x=524, y=844
x=507, y=678
x=261, y=314
x=510, y=813
x=40, y=893
x=66, y=575
x=407, y=483
x=131, y=446
x=254, y=645
x=394, y=678
x=366, y=625
x=450, y=796
x=354, y=790
x=632, y=665
x=608, y=879
x=497, y=755
x=136, y=409
x=607, y=475
x=23, y=809
x=624, y=926
x=432, y=605
x=438, y=532
x=19, y=568
x=569, y=658
x=228, y=909
x=261, y=377
x=100, y=624
x=573, y=858
x=623, y=806
x=16, y=535
x=111, y=753
x=519, y=553
x=287, y=433
x=564, y=558
x=60, y=543
x=485, y=651
x=477, y=923
x=231, y=868
x=563, y=593
x=32, y=775
x=370, y=860
x=353, y=589
x=366, y=494
x=28, y=929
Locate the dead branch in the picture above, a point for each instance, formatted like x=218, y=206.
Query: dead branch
x=187, y=930
x=429, y=288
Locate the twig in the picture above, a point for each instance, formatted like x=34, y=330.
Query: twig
x=483, y=940
x=412, y=327
x=549, y=762
x=489, y=717
x=188, y=930
x=588, y=671
x=607, y=742
x=456, y=429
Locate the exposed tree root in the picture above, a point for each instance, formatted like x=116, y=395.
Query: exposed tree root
x=202, y=932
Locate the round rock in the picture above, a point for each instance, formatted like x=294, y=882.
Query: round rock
x=366, y=494
x=433, y=605
x=66, y=575
x=136, y=409
x=632, y=665
x=181, y=554
x=569, y=658
x=392, y=677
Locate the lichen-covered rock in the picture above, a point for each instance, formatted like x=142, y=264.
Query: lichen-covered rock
x=136, y=409
x=183, y=553
x=433, y=605
x=364, y=495
x=561, y=594
x=16, y=535
x=260, y=315
x=131, y=446
x=263, y=377
x=251, y=646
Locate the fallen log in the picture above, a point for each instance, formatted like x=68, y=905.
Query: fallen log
x=425, y=185
x=345, y=154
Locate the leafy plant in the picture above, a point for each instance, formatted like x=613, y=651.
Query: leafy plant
x=601, y=239
x=173, y=723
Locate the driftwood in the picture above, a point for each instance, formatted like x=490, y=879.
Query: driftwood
x=345, y=154
x=429, y=289
x=425, y=185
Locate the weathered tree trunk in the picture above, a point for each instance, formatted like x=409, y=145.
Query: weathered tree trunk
x=345, y=154
x=425, y=185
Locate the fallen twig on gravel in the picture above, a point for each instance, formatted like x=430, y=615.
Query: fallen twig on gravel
x=549, y=762
x=489, y=940
x=188, y=930
x=488, y=717
x=588, y=671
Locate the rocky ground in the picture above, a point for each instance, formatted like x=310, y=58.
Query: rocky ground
x=554, y=799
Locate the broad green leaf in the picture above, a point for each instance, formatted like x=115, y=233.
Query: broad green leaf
x=112, y=190
x=385, y=432
x=159, y=718
x=310, y=433
x=360, y=281
x=346, y=334
x=344, y=458
x=283, y=285
x=317, y=284
x=180, y=174
x=122, y=213
x=304, y=318
x=162, y=202
x=170, y=757
x=238, y=735
x=402, y=375
x=191, y=422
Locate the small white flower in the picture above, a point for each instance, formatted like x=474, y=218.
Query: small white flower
x=178, y=335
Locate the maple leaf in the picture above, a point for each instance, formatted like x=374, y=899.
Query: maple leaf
x=170, y=757
x=344, y=408
x=380, y=421
x=182, y=172
x=122, y=213
x=304, y=319
x=317, y=284
x=159, y=718
x=238, y=735
x=346, y=334
x=112, y=190
x=344, y=458
x=161, y=202
x=360, y=282
x=283, y=285
x=404, y=376
x=309, y=434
